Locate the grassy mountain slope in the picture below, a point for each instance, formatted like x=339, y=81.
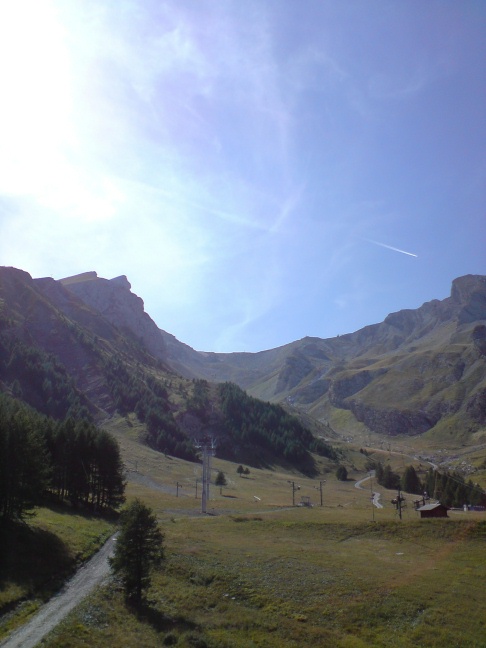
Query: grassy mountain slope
x=419, y=371
x=66, y=357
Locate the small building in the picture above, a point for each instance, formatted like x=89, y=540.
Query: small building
x=436, y=510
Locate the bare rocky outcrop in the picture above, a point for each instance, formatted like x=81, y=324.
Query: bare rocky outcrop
x=346, y=385
x=469, y=295
x=115, y=301
x=295, y=369
x=391, y=421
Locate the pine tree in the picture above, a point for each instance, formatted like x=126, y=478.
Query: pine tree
x=410, y=481
x=139, y=548
x=342, y=473
x=220, y=481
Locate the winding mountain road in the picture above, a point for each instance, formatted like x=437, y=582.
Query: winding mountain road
x=376, y=496
x=81, y=584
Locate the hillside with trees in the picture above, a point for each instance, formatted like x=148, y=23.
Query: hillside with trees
x=263, y=433
x=70, y=361
x=44, y=460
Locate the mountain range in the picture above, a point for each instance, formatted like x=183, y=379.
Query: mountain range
x=419, y=372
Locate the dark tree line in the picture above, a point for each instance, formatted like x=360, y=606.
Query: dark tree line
x=41, y=458
x=86, y=466
x=451, y=489
x=341, y=473
x=253, y=426
x=40, y=380
x=141, y=393
x=386, y=477
x=198, y=402
x=24, y=464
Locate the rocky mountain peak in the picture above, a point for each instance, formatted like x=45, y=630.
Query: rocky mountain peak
x=463, y=288
x=121, y=282
x=115, y=301
x=469, y=293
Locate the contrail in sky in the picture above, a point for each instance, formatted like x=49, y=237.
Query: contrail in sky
x=389, y=247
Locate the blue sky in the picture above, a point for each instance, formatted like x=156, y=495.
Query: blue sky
x=260, y=170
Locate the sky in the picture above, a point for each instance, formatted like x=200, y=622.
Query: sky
x=260, y=170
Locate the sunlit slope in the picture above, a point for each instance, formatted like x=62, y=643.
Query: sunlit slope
x=418, y=371
x=67, y=358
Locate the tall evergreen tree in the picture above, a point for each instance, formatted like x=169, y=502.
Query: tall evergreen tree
x=410, y=482
x=139, y=548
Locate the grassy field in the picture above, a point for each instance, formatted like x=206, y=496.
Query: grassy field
x=261, y=572
x=297, y=578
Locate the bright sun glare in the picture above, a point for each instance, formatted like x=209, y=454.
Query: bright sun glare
x=35, y=109
x=40, y=153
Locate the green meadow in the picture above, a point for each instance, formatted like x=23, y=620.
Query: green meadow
x=257, y=570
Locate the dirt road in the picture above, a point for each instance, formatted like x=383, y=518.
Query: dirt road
x=376, y=496
x=53, y=612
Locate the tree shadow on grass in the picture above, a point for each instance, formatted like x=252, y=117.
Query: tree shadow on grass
x=67, y=508
x=146, y=613
x=35, y=560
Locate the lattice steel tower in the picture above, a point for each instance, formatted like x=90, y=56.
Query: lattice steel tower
x=208, y=449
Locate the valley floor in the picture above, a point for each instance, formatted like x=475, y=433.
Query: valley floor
x=258, y=571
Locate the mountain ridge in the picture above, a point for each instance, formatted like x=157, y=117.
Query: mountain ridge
x=419, y=371
x=349, y=372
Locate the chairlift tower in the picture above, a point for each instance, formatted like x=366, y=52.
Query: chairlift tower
x=208, y=447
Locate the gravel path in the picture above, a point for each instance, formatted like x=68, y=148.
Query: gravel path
x=53, y=612
x=376, y=496
x=74, y=591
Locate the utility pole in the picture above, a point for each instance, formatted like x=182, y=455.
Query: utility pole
x=323, y=481
x=294, y=488
x=398, y=502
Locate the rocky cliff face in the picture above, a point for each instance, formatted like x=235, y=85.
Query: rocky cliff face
x=42, y=315
x=115, y=301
